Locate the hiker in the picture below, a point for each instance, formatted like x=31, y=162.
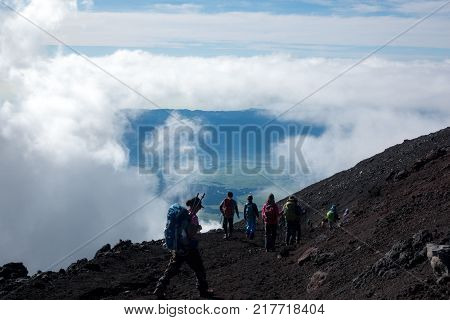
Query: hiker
x=331, y=216
x=250, y=216
x=335, y=212
x=228, y=207
x=195, y=226
x=180, y=239
x=271, y=215
x=292, y=213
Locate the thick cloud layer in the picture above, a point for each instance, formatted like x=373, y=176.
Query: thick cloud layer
x=251, y=30
x=63, y=169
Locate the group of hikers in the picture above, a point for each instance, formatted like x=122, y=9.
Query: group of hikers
x=290, y=214
x=183, y=225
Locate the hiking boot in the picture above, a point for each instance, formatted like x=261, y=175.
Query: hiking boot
x=209, y=293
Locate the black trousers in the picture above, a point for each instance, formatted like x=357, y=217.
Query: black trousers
x=194, y=261
x=270, y=235
x=228, y=225
x=293, y=232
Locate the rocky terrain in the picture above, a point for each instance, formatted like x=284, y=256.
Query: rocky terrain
x=394, y=244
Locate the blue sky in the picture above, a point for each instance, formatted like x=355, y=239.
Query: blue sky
x=215, y=6
x=319, y=7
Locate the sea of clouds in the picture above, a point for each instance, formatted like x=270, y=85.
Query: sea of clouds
x=64, y=174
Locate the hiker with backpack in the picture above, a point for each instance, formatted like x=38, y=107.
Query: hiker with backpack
x=250, y=216
x=228, y=208
x=180, y=239
x=271, y=215
x=331, y=217
x=292, y=213
x=335, y=212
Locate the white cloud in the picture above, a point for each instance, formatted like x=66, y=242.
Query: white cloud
x=420, y=7
x=278, y=80
x=47, y=209
x=64, y=175
x=389, y=7
x=87, y=4
x=357, y=135
x=174, y=145
x=246, y=29
x=175, y=8
x=17, y=48
x=366, y=8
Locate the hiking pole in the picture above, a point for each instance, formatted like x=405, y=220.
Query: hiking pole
x=201, y=199
x=197, y=203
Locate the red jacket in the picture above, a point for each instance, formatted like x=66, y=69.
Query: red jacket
x=270, y=213
x=229, y=207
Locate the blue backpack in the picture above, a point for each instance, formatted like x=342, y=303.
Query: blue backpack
x=175, y=234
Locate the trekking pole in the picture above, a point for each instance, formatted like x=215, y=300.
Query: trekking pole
x=195, y=204
x=199, y=201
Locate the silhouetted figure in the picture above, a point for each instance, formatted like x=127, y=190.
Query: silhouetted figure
x=228, y=207
x=271, y=215
x=292, y=213
x=250, y=216
x=182, y=226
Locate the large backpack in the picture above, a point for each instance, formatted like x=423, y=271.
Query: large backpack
x=270, y=214
x=330, y=215
x=291, y=211
x=228, y=208
x=178, y=220
x=250, y=211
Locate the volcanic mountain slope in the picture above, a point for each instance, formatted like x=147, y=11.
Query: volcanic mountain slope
x=399, y=201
